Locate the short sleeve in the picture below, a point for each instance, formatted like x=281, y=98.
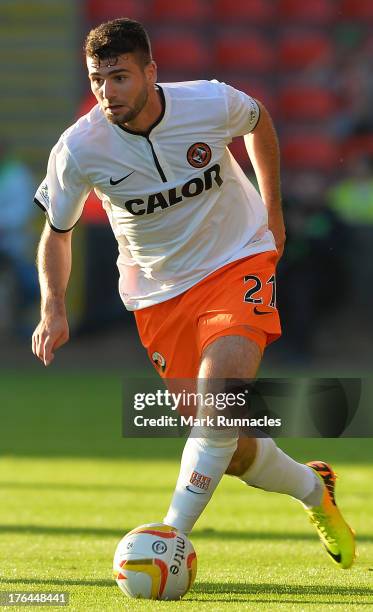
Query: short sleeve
x=243, y=112
x=64, y=190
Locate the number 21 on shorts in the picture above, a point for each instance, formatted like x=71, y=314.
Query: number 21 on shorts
x=255, y=286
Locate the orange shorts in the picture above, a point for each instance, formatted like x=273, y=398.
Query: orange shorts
x=239, y=299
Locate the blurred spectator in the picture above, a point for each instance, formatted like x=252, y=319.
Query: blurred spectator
x=353, y=83
x=351, y=198
x=310, y=270
x=19, y=287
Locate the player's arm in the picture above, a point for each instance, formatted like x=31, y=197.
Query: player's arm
x=61, y=196
x=54, y=267
x=263, y=149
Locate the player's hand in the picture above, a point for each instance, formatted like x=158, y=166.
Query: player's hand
x=51, y=333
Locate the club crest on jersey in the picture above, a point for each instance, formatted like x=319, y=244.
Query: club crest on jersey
x=199, y=154
x=159, y=361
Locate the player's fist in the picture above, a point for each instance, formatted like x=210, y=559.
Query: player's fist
x=51, y=333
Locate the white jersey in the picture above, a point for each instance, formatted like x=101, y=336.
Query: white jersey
x=179, y=204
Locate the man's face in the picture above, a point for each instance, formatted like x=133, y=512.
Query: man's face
x=121, y=86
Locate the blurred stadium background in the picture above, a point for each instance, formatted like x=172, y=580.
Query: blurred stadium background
x=65, y=470
x=309, y=62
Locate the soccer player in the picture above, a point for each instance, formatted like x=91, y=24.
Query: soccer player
x=198, y=249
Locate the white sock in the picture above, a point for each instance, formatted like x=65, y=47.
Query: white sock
x=273, y=470
x=203, y=464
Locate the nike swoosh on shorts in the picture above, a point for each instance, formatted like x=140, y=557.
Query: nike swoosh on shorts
x=261, y=312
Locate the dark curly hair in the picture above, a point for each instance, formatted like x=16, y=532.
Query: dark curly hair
x=119, y=36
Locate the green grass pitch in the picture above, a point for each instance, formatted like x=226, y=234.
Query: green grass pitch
x=70, y=487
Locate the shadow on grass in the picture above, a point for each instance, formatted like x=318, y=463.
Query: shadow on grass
x=67, y=486
x=59, y=581
x=278, y=590
x=267, y=600
x=64, y=531
x=205, y=534
x=226, y=590
x=268, y=535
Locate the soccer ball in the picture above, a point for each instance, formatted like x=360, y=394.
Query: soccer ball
x=155, y=561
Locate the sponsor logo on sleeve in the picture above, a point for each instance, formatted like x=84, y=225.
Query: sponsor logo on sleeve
x=253, y=114
x=44, y=192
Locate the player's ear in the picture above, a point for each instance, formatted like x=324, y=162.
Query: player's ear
x=151, y=72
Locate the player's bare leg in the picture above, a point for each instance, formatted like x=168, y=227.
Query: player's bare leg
x=206, y=457
x=233, y=357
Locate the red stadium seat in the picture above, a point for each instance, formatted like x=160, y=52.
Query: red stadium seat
x=245, y=10
x=299, y=51
x=317, y=11
x=102, y=10
x=168, y=10
x=180, y=51
x=355, y=146
x=250, y=53
x=356, y=9
x=314, y=151
x=306, y=103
